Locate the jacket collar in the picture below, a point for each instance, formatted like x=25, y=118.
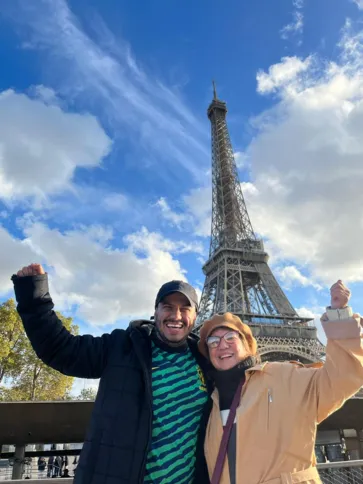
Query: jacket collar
x=259, y=367
x=144, y=329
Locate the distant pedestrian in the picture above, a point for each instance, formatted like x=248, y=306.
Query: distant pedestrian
x=66, y=473
x=42, y=464
x=57, y=466
x=50, y=466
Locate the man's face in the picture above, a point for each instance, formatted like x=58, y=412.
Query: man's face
x=227, y=355
x=175, y=317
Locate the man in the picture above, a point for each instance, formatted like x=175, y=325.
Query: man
x=146, y=415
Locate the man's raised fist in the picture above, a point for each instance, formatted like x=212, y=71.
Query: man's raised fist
x=340, y=295
x=32, y=270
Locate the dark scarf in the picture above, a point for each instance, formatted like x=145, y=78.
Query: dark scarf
x=227, y=381
x=158, y=340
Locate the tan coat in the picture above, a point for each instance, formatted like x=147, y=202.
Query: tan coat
x=280, y=407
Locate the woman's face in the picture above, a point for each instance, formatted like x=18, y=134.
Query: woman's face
x=230, y=350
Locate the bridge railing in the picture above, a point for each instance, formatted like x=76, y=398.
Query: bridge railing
x=46, y=481
x=349, y=472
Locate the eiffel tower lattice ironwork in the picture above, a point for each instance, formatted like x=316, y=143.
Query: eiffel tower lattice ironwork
x=238, y=277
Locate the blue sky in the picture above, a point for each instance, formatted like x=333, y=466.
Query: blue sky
x=105, y=144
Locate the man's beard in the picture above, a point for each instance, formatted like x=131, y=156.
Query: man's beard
x=163, y=338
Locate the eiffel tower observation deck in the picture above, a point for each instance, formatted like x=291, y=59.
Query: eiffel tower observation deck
x=238, y=277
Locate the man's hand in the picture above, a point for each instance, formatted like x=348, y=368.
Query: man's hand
x=32, y=270
x=340, y=295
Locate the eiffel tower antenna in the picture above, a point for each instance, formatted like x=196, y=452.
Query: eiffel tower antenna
x=238, y=277
x=214, y=91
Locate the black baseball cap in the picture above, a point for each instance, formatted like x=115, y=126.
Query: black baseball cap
x=178, y=286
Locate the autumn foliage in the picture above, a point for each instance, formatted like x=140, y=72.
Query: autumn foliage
x=23, y=377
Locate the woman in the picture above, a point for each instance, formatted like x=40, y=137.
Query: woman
x=279, y=404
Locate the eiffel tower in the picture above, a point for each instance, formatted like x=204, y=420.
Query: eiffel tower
x=238, y=277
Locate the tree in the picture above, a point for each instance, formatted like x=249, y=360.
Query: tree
x=87, y=394
x=13, y=340
x=29, y=377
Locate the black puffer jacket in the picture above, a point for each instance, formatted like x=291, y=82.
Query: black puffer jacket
x=118, y=439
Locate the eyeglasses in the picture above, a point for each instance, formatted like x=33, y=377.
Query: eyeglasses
x=229, y=338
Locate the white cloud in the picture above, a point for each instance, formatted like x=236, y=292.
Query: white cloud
x=248, y=189
x=241, y=159
x=45, y=94
x=96, y=233
x=315, y=313
x=105, y=285
x=155, y=116
x=14, y=254
x=307, y=165
x=284, y=75
x=146, y=242
x=296, y=27
x=176, y=219
x=359, y=4
x=290, y=276
x=41, y=146
x=196, y=214
x=199, y=204
x=115, y=202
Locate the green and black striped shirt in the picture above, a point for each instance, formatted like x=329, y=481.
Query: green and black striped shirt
x=179, y=395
